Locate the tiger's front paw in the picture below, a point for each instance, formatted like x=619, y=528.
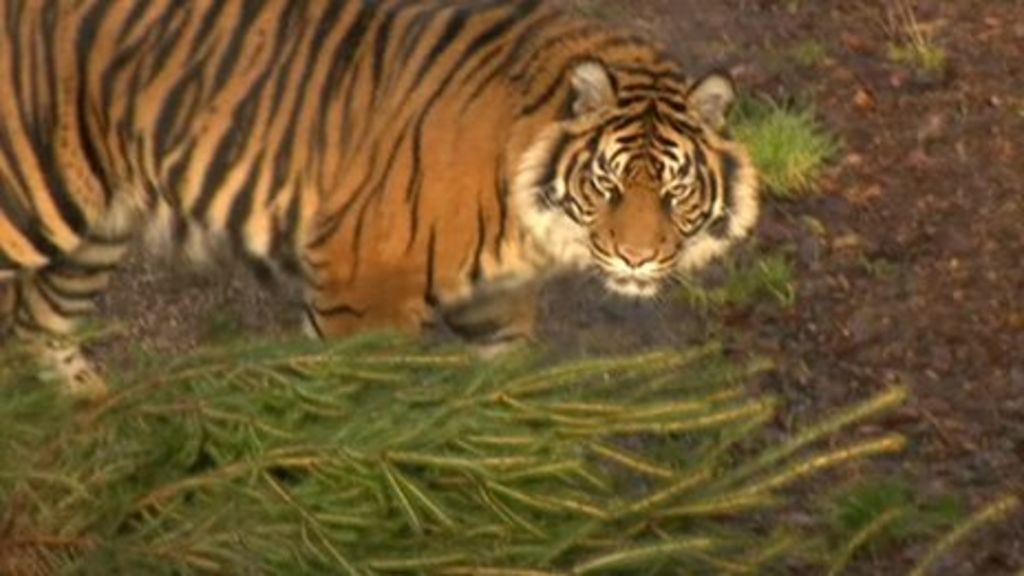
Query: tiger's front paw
x=66, y=364
x=497, y=349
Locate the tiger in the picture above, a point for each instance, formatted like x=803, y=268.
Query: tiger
x=410, y=163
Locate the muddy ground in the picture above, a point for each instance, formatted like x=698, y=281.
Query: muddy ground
x=908, y=265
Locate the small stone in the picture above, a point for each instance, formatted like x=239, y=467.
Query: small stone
x=849, y=241
x=853, y=160
x=918, y=158
x=862, y=195
x=863, y=100
x=855, y=43
x=933, y=127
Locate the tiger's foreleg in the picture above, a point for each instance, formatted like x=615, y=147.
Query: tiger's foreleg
x=496, y=319
x=50, y=302
x=7, y=302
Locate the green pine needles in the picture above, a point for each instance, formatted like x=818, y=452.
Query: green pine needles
x=375, y=457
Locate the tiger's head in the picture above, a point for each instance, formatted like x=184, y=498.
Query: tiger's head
x=638, y=179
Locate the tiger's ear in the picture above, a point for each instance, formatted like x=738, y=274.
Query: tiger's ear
x=712, y=97
x=592, y=86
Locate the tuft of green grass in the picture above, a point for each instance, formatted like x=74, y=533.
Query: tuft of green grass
x=793, y=6
x=788, y=145
x=884, y=512
x=858, y=507
x=223, y=326
x=927, y=58
x=809, y=54
x=770, y=277
x=912, y=43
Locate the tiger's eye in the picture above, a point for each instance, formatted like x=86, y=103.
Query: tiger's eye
x=607, y=188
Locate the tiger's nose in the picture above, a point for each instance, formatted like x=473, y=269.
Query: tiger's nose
x=636, y=256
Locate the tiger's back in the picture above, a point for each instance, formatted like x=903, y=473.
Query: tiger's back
x=402, y=157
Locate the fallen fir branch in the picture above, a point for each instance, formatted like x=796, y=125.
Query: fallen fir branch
x=376, y=456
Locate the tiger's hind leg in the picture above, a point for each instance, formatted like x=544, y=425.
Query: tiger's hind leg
x=391, y=299
x=49, y=304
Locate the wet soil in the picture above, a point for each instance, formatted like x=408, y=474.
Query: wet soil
x=909, y=265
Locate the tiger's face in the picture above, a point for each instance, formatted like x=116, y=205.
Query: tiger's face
x=640, y=183
x=640, y=208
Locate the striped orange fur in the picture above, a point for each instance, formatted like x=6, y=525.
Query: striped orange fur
x=411, y=161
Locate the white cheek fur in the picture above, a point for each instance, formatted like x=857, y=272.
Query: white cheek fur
x=699, y=250
x=563, y=241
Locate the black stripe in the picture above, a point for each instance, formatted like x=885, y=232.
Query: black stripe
x=311, y=318
x=476, y=270
x=87, y=29
x=70, y=212
x=495, y=32
x=652, y=72
x=429, y=295
x=230, y=148
x=283, y=158
x=134, y=17
x=730, y=172
x=168, y=38
x=18, y=211
x=412, y=194
x=340, y=309
x=560, y=80
x=239, y=32
x=29, y=226
x=64, y=310
x=376, y=190
x=327, y=21
x=175, y=174
x=502, y=191
x=683, y=126
x=341, y=61
x=560, y=36
x=181, y=102
x=118, y=64
x=290, y=31
x=89, y=149
x=514, y=53
x=241, y=206
x=658, y=139
x=380, y=44
x=70, y=266
x=346, y=51
x=205, y=32
x=451, y=32
x=64, y=299
x=41, y=129
x=411, y=36
x=676, y=107
x=18, y=51
x=550, y=173
x=333, y=221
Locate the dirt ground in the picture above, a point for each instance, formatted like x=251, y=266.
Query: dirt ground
x=908, y=266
